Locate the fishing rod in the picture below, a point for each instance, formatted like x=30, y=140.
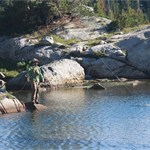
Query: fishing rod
x=114, y=74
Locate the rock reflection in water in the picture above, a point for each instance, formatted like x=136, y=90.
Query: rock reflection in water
x=70, y=99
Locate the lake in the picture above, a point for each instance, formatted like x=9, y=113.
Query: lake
x=117, y=118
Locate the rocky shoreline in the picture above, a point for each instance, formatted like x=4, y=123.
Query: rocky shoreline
x=10, y=104
x=13, y=105
x=122, y=56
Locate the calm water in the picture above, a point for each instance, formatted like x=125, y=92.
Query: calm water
x=114, y=119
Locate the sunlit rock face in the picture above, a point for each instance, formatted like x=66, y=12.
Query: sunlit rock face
x=64, y=72
x=126, y=55
x=11, y=105
x=137, y=46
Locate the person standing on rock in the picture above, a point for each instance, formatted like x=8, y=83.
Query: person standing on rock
x=34, y=75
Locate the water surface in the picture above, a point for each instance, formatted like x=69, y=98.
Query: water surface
x=77, y=118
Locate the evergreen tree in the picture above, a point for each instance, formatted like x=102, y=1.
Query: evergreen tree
x=99, y=8
x=27, y=15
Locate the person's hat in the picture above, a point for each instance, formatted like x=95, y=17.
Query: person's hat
x=35, y=60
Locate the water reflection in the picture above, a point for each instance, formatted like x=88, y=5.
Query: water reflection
x=78, y=118
x=70, y=99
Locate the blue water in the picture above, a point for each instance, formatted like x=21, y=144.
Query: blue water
x=81, y=119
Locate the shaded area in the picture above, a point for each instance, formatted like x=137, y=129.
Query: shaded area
x=30, y=106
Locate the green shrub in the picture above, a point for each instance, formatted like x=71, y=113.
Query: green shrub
x=11, y=68
x=113, y=26
x=99, y=53
x=9, y=73
x=130, y=18
x=93, y=42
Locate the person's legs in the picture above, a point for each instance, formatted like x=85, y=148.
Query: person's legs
x=33, y=86
x=37, y=93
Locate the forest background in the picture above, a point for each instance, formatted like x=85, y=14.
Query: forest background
x=26, y=16
x=22, y=17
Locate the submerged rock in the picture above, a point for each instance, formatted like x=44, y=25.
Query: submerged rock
x=32, y=106
x=98, y=86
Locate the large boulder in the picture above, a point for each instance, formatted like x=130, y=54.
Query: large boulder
x=11, y=105
x=128, y=54
x=137, y=47
x=64, y=72
x=85, y=28
x=26, y=49
x=45, y=54
x=129, y=57
x=9, y=47
x=109, y=50
x=85, y=62
x=110, y=68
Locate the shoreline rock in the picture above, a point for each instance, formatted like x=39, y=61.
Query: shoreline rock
x=97, y=86
x=8, y=105
x=64, y=72
x=122, y=55
x=13, y=105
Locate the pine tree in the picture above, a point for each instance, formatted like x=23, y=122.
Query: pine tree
x=99, y=8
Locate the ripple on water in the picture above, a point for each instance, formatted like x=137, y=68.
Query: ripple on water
x=81, y=119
